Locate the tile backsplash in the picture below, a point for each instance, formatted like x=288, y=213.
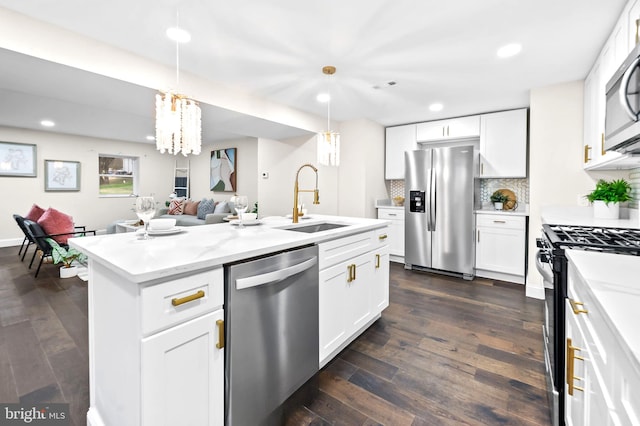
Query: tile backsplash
x=634, y=180
x=520, y=187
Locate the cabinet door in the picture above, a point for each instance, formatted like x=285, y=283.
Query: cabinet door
x=396, y=230
x=360, y=292
x=431, y=130
x=380, y=294
x=632, y=29
x=503, y=144
x=333, y=304
x=500, y=247
x=398, y=140
x=183, y=374
x=455, y=128
x=575, y=403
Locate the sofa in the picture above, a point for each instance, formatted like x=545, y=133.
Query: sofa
x=192, y=213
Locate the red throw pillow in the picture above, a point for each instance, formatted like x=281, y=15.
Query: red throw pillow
x=53, y=221
x=176, y=206
x=35, y=213
x=191, y=208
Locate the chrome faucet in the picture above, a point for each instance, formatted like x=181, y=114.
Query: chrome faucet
x=316, y=193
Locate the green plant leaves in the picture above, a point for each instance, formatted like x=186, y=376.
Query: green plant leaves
x=616, y=191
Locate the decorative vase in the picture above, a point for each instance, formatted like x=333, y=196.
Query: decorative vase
x=601, y=210
x=498, y=206
x=68, y=272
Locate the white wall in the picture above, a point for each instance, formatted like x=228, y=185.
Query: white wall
x=361, y=176
x=556, y=175
x=86, y=207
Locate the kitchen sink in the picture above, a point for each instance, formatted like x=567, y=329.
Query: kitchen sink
x=316, y=227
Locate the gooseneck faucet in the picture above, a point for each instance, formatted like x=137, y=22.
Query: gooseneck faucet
x=296, y=190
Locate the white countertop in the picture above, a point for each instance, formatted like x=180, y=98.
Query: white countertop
x=555, y=215
x=387, y=204
x=207, y=246
x=503, y=212
x=613, y=280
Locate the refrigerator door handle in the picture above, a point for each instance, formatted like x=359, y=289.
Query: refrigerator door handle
x=433, y=198
x=426, y=201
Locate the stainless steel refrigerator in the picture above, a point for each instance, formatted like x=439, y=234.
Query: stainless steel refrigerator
x=440, y=196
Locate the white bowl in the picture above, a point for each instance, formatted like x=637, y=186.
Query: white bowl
x=161, y=224
x=249, y=216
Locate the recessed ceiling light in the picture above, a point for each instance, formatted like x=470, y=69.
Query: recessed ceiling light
x=151, y=138
x=323, y=97
x=179, y=35
x=47, y=123
x=436, y=107
x=509, y=50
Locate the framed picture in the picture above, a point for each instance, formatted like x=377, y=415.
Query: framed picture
x=61, y=175
x=17, y=159
x=223, y=170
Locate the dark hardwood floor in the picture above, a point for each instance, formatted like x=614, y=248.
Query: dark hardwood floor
x=446, y=351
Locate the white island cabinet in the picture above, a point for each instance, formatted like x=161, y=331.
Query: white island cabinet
x=156, y=310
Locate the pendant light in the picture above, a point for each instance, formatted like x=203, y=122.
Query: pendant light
x=178, y=118
x=329, y=141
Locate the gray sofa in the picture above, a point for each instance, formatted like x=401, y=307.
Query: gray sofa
x=189, y=220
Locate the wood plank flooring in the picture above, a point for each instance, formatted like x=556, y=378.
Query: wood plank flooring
x=445, y=352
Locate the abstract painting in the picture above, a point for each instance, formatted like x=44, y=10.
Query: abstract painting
x=223, y=170
x=61, y=175
x=17, y=159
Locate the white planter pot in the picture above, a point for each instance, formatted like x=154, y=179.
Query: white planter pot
x=606, y=211
x=498, y=206
x=68, y=272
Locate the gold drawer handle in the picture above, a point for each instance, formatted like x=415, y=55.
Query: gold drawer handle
x=587, y=150
x=382, y=237
x=220, y=324
x=377, y=261
x=197, y=295
x=352, y=273
x=571, y=357
x=576, y=309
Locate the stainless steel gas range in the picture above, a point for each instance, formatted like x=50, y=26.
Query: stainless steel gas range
x=552, y=265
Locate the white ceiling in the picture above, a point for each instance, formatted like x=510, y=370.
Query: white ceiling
x=436, y=51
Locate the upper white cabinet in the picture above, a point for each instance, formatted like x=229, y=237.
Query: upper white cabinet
x=455, y=128
x=399, y=139
x=503, y=144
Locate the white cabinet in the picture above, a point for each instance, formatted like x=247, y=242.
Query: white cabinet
x=500, y=247
x=632, y=16
x=454, y=128
x=396, y=232
x=353, y=290
x=156, y=349
x=503, y=144
x=183, y=373
x=398, y=140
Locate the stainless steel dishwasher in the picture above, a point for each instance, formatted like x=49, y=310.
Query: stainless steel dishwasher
x=271, y=310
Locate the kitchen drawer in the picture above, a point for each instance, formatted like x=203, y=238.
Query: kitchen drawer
x=158, y=310
x=381, y=236
x=501, y=221
x=342, y=249
x=391, y=214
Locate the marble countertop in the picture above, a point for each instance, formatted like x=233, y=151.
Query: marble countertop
x=556, y=215
x=207, y=246
x=617, y=289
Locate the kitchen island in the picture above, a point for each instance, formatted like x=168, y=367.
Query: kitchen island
x=157, y=310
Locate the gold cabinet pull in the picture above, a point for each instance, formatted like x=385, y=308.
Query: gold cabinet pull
x=197, y=295
x=571, y=357
x=350, y=273
x=602, y=151
x=587, y=158
x=575, y=307
x=637, y=32
x=382, y=237
x=354, y=272
x=377, y=261
x=220, y=324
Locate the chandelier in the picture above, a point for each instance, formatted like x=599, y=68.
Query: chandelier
x=178, y=118
x=329, y=141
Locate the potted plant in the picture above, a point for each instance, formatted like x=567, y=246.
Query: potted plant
x=607, y=196
x=498, y=199
x=65, y=256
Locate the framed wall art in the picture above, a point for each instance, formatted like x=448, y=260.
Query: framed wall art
x=17, y=159
x=223, y=170
x=61, y=175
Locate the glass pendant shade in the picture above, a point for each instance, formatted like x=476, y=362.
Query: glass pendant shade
x=329, y=148
x=178, y=124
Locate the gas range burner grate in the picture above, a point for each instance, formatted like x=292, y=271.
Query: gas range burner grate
x=614, y=240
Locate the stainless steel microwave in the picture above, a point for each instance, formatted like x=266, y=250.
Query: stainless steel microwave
x=622, y=125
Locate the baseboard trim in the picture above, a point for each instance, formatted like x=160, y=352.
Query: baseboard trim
x=518, y=279
x=11, y=242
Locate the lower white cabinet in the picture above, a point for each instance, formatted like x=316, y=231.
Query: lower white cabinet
x=183, y=374
x=500, y=247
x=396, y=232
x=353, y=290
x=156, y=349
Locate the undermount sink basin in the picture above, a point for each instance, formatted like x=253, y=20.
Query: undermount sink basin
x=316, y=227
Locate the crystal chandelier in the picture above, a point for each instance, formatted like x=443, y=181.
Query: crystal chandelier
x=329, y=141
x=178, y=118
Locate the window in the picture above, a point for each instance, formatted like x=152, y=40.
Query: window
x=118, y=175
